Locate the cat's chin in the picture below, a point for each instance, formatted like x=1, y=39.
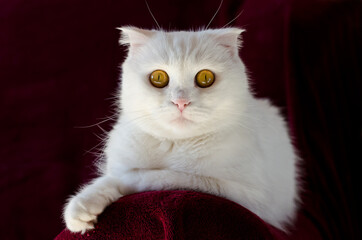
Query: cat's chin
x=181, y=127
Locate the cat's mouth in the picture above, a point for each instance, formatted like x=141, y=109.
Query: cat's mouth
x=181, y=120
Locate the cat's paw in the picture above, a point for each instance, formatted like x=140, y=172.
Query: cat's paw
x=81, y=213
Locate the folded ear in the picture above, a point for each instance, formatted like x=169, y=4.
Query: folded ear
x=134, y=37
x=229, y=38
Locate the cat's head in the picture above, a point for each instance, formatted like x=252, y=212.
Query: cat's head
x=182, y=84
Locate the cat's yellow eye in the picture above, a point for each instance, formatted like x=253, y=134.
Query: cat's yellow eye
x=205, y=78
x=159, y=78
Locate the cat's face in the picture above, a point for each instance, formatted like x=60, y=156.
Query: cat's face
x=174, y=102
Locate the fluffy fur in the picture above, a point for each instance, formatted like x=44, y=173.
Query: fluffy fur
x=225, y=142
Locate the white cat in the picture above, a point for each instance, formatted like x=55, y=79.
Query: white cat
x=190, y=121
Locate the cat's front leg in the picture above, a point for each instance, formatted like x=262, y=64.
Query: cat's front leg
x=140, y=180
x=82, y=210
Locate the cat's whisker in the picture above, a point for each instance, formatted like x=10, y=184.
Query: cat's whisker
x=98, y=154
x=97, y=124
x=102, y=129
x=218, y=9
x=102, y=142
x=134, y=111
x=237, y=16
x=149, y=10
x=136, y=120
x=99, y=137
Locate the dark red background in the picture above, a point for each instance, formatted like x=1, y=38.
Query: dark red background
x=59, y=69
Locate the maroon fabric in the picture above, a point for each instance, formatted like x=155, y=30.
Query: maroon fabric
x=58, y=72
x=182, y=215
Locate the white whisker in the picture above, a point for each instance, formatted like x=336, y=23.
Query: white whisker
x=233, y=19
x=207, y=26
x=149, y=9
x=97, y=124
x=102, y=142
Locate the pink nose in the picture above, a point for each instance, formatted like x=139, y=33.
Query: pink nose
x=181, y=103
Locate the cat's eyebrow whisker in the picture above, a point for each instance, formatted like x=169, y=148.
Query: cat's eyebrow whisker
x=233, y=19
x=149, y=9
x=218, y=9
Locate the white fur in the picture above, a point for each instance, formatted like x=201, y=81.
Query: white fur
x=227, y=143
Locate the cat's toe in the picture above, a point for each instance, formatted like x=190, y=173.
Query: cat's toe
x=79, y=217
x=77, y=225
x=80, y=222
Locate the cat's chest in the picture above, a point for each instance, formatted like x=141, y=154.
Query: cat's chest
x=178, y=153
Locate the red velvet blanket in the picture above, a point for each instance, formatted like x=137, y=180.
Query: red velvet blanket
x=185, y=215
